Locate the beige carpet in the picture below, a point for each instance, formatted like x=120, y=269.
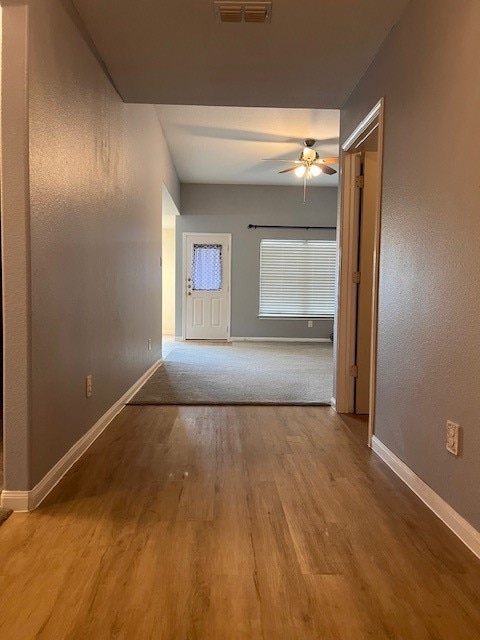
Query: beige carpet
x=242, y=373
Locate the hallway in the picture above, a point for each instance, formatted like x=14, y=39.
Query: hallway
x=234, y=523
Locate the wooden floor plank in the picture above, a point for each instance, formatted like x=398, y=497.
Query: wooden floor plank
x=234, y=523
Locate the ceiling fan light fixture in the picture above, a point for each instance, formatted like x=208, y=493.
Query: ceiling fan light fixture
x=308, y=155
x=300, y=171
x=309, y=165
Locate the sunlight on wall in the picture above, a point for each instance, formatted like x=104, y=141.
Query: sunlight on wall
x=168, y=281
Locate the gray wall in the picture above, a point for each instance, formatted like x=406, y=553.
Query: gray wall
x=96, y=167
x=429, y=339
x=229, y=209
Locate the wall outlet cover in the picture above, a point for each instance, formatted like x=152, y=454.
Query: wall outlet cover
x=453, y=434
x=88, y=386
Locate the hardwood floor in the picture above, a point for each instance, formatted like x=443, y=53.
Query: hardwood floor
x=234, y=523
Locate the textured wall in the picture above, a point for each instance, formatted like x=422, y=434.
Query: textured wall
x=15, y=221
x=429, y=341
x=229, y=209
x=96, y=171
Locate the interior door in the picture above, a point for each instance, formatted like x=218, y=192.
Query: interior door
x=365, y=288
x=207, y=286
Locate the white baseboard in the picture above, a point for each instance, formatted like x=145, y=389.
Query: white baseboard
x=454, y=521
x=15, y=500
x=266, y=339
x=29, y=500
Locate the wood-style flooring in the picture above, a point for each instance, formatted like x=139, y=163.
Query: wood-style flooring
x=234, y=523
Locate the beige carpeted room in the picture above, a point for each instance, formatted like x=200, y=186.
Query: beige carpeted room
x=257, y=373
x=248, y=258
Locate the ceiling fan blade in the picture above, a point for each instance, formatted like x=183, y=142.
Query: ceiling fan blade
x=326, y=169
x=329, y=160
x=225, y=133
x=289, y=169
x=281, y=160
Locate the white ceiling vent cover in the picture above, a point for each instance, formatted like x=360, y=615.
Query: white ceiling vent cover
x=249, y=11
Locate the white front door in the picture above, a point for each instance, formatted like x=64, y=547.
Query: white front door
x=206, y=286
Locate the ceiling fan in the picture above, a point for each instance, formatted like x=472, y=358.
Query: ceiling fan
x=309, y=164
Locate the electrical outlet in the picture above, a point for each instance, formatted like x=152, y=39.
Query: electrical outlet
x=453, y=433
x=88, y=386
x=149, y=344
x=310, y=324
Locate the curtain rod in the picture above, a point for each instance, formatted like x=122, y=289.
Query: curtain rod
x=285, y=226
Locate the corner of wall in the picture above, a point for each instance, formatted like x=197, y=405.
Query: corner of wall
x=170, y=175
x=15, y=220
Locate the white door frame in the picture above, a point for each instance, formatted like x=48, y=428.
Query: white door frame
x=348, y=248
x=228, y=258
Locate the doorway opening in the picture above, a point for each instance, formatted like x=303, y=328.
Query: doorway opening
x=265, y=336
x=356, y=345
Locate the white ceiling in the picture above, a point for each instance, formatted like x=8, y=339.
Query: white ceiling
x=225, y=145
x=311, y=55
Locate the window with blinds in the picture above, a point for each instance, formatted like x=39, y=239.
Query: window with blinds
x=297, y=278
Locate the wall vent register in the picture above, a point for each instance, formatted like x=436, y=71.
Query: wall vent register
x=249, y=11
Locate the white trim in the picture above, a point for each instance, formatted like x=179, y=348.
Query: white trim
x=363, y=125
x=454, y=521
x=15, y=500
x=347, y=290
x=380, y=108
x=29, y=500
x=333, y=403
x=348, y=248
x=267, y=339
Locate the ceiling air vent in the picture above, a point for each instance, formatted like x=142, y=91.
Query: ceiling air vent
x=249, y=11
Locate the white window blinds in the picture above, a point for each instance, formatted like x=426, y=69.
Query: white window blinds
x=297, y=278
